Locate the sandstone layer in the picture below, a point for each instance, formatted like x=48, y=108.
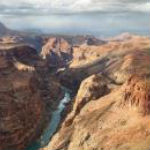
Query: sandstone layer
x=57, y=52
x=109, y=78
x=27, y=98
x=111, y=110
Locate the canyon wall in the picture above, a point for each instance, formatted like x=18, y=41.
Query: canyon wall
x=27, y=97
x=111, y=110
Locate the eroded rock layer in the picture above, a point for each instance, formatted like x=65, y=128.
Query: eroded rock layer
x=112, y=108
x=26, y=98
x=57, y=52
x=111, y=79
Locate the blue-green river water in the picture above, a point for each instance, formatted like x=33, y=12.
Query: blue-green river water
x=51, y=129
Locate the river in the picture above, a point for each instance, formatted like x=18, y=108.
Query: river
x=53, y=125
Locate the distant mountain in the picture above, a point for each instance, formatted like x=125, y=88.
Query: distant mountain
x=37, y=38
x=6, y=31
x=10, y=35
x=3, y=29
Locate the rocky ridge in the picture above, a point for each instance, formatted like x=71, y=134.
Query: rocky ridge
x=27, y=99
x=57, y=52
x=110, y=80
x=112, y=106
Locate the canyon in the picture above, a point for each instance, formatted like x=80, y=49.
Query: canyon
x=112, y=105
x=109, y=80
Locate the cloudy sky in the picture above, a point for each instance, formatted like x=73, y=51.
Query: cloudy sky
x=71, y=6
x=96, y=17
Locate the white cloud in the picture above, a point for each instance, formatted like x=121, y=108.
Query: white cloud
x=57, y=6
x=142, y=7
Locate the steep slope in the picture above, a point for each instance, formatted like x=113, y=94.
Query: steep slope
x=28, y=95
x=2, y=29
x=112, y=108
x=10, y=36
x=57, y=52
x=6, y=31
x=107, y=122
x=117, y=59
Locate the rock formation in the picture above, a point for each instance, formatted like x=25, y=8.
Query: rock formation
x=112, y=108
x=110, y=81
x=26, y=98
x=57, y=52
x=117, y=60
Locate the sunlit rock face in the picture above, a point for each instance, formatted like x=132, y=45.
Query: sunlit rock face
x=117, y=59
x=111, y=110
x=57, y=52
x=27, y=97
x=136, y=94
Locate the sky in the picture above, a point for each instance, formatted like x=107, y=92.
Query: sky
x=96, y=17
x=71, y=6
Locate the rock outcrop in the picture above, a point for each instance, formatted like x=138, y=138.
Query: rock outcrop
x=57, y=52
x=104, y=123
x=112, y=108
x=26, y=98
x=116, y=59
x=136, y=93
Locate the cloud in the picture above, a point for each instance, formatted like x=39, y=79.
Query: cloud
x=143, y=7
x=71, y=6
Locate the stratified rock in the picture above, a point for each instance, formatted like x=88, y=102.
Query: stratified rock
x=116, y=60
x=26, y=98
x=136, y=94
x=57, y=52
x=119, y=118
x=105, y=123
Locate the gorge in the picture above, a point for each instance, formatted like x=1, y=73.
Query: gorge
x=53, y=124
x=108, y=107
